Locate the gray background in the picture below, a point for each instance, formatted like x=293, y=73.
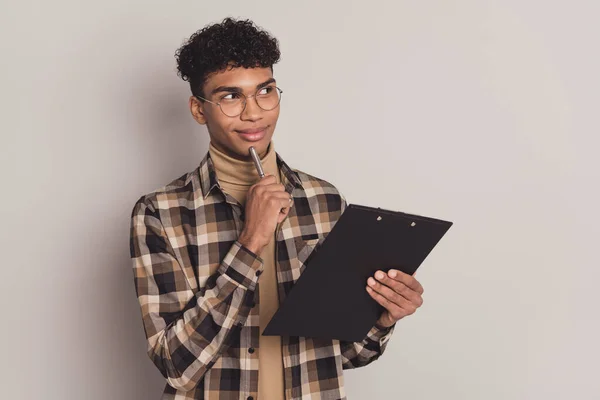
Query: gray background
x=481, y=112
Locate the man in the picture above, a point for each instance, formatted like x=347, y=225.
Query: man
x=216, y=251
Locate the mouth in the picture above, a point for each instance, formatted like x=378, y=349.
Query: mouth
x=252, y=135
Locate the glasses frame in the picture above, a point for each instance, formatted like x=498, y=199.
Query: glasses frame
x=245, y=99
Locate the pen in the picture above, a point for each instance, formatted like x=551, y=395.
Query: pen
x=257, y=163
x=259, y=168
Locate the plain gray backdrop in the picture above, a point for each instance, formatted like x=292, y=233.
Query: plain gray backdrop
x=480, y=112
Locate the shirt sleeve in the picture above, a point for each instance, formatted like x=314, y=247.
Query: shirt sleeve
x=359, y=354
x=187, y=330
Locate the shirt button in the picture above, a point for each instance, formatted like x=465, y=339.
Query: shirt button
x=251, y=350
x=258, y=273
x=250, y=398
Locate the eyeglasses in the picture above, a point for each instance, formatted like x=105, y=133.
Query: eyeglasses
x=267, y=98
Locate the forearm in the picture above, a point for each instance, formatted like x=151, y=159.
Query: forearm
x=187, y=328
x=186, y=348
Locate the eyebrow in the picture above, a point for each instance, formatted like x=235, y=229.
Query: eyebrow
x=237, y=89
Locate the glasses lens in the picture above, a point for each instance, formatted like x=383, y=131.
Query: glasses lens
x=232, y=104
x=268, y=97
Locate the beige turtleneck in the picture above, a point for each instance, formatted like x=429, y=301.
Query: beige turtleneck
x=236, y=177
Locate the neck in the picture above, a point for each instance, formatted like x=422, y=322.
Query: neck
x=242, y=172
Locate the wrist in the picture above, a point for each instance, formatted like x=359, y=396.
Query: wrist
x=382, y=325
x=252, y=245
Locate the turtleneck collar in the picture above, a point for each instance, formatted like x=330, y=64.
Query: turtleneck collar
x=237, y=172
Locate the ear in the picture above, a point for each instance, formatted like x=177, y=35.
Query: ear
x=197, y=110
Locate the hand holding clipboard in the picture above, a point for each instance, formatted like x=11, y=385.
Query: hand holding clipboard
x=329, y=299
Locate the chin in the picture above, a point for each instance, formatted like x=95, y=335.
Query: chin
x=261, y=146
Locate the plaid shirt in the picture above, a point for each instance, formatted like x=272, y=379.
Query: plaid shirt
x=197, y=287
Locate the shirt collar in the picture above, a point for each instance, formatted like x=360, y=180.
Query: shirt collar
x=209, y=179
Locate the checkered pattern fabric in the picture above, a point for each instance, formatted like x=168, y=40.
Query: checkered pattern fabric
x=197, y=287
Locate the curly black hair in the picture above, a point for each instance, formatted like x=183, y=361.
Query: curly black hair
x=234, y=43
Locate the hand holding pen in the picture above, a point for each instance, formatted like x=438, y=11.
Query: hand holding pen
x=267, y=204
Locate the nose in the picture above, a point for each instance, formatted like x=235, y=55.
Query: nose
x=251, y=110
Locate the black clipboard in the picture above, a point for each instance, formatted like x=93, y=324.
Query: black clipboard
x=329, y=300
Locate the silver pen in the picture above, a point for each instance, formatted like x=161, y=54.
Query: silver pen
x=259, y=168
x=257, y=163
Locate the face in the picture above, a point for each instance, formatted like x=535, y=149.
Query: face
x=224, y=131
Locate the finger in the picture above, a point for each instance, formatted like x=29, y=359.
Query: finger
x=266, y=180
x=282, y=214
x=406, y=279
x=286, y=209
x=267, y=177
x=279, y=202
x=262, y=184
x=275, y=186
x=271, y=187
x=393, y=309
x=390, y=294
x=400, y=288
x=285, y=198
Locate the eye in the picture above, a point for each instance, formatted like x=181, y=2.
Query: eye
x=266, y=90
x=234, y=96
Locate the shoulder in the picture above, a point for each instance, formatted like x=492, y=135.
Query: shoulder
x=172, y=194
